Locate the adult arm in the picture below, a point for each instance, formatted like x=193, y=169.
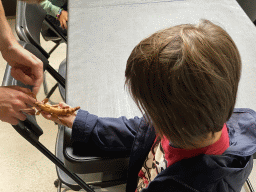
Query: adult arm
x=26, y=67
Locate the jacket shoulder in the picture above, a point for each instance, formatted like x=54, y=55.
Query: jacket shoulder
x=242, y=132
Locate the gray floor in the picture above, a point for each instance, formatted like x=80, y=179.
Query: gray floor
x=22, y=167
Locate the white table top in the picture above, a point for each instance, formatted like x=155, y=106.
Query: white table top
x=102, y=34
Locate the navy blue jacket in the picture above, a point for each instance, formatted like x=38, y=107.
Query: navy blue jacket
x=204, y=173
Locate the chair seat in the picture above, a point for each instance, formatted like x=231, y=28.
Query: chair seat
x=49, y=35
x=93, y=164
x=82, y=158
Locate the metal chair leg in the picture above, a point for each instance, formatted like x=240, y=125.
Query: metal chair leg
x=249, y=185
x=59, y=186
x=47, y=92
x=53, y=49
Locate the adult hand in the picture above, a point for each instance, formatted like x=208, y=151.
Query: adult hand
x=12, y=100
x=63, y=120
x=26, y=67
x=63, y=19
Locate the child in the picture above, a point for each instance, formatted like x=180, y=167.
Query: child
x=57, y=12
x=185, y=79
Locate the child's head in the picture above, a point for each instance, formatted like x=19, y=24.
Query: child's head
x=185, y=79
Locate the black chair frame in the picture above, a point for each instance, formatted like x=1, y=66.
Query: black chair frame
x=30, y=130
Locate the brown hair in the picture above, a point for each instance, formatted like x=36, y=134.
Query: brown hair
x=185, y=79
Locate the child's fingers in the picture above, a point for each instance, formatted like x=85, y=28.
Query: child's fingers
x=63, y=105
x=47, y=116
x=64, y=24
x=58, y=120
x=61, y=24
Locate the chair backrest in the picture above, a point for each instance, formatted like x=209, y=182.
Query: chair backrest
x=29, y=19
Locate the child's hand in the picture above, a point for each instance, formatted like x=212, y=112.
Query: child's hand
x=63, y=19
x=63, y=120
